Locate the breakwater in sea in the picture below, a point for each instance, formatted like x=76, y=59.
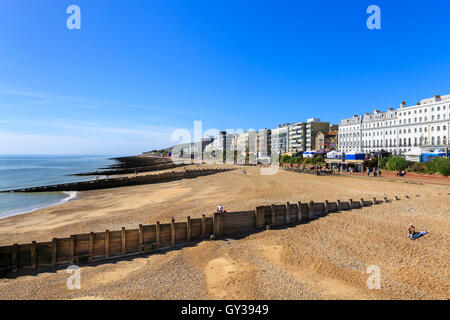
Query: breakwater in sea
x=134, y=164
x=121, y=181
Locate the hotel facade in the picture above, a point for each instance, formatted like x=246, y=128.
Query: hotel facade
x=424, y=125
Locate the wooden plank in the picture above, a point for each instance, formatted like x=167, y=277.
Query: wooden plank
x=189, y=230
x=158, y=234
x=15, y=258
x=180, y=232
x=288, y=213
x=172, y=232
x=33, y=255
x=216, y=223
x=141, y=238
x=72, y=249
x=24, y=255
x=273, y=212
x=124, y=241
x=299, y=212
x=107, y=243
x=91, y=245
x=44, y=253
x=203, y=226
x=54, y=250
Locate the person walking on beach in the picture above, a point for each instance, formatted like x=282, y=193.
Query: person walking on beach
x=368, y=172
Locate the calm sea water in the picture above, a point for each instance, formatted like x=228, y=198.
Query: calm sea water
x=30, y=171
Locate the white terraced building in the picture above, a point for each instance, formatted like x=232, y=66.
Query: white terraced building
x=425, y=125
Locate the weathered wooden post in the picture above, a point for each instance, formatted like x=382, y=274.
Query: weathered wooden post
x=203, y=226
x=14, y=258
x=311, y=209
x=172, y=232
x=350, y=202
x=288, y=213
x=189, y=229
x=54, y=251
x=260, y=217
x=362, y=202
x=338, y=205
x=327, y=207
x=396, y=198
x=141, y=238
x=33, y=253
x=158, y=234
x=374, y=200
x=91, y=245
x=385, y=199
x=124, y=241
x=273, y=215
x=107, y=243
x=72, y=249
x=216, y=223
x=299, y=212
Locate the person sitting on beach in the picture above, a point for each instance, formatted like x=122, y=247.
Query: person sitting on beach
x=411, y=230
x=219, y=208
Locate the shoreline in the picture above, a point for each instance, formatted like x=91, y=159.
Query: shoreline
x=71, y=196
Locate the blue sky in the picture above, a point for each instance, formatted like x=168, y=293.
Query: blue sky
x=139, y=69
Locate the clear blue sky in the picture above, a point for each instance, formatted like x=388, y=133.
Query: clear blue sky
x=139, y=69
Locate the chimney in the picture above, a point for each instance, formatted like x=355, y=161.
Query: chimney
x=391, y=109
x=437, y=98
x=403, y=104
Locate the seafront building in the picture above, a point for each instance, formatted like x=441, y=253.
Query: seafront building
x=301, y=135
x=425, y=125
x=279, y=140
x=264, y=143
x=326, y=141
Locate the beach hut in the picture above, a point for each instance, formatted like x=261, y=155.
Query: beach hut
x=414, y=155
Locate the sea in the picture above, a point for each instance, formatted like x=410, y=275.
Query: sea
x=21, y=171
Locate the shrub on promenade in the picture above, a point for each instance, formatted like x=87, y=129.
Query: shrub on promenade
x=396, y=163
x=418, y=167
x=318, y=160
x=297, y=160
x=438, y=165
x=383, y=162
x=285, y=159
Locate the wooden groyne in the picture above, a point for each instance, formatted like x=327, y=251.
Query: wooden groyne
x=90, y=247
x=133, y=164
x=121, y=181
x=131, y=170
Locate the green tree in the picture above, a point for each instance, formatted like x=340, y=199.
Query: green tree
x=396, y=163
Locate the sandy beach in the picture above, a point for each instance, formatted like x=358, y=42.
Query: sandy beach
x=323, y=259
